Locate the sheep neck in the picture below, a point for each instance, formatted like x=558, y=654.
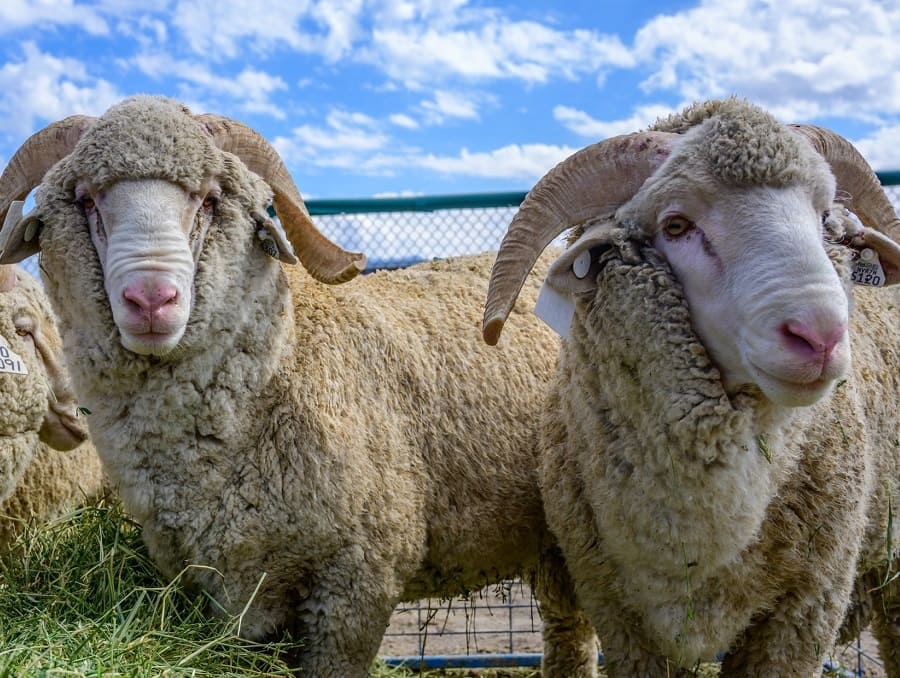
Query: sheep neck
x=683, y=474
x=186, y=413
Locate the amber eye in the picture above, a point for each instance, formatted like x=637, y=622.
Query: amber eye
x=210, y=202
x=87, y=203
x=677, y=226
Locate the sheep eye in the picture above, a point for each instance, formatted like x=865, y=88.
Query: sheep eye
x=210, y=202
x=24, y=325
x=675, y=227
x=87, y=203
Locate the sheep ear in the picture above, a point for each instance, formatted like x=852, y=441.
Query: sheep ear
x=19, y=235
x=575, y=271
x=274, y=240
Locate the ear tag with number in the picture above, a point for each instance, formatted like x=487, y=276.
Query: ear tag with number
x=10, y=362
x=866, y=268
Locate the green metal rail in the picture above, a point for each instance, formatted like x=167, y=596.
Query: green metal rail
x=432, y=203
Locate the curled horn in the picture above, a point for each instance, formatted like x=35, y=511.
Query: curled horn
x=324, y=260
x=856, y=178
x=39, y=152
x=592, y=182
x=7, y=277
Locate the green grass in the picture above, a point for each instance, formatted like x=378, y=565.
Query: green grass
x=79, y=597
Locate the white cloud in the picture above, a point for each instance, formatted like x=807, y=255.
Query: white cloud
x=882, y=148
x=249, y=90
x=42, y=88
x=480, y=44
x=403, y=120
x=526, y=162
x=839, y=58
x=18, y=14
x=348, y=140
x=584, y=125
x=227, y=29
x=449, y=105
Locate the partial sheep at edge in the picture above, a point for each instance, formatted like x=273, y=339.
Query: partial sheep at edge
x=49, y=465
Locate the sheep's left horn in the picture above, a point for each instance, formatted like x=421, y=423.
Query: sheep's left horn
x=324, y=260
x=8, y=278
x=38, y=153
x=856, y=178
x=592, y=182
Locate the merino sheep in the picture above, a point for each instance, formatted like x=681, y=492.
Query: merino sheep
x=715, y=470
x=318, y=452
x=48, y=466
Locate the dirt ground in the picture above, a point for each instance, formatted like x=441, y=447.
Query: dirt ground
x=504, y=619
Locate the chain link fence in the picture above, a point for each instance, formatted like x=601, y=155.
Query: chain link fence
x=499, y=625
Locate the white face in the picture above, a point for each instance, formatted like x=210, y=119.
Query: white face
x=764, y=298
x=148, y=235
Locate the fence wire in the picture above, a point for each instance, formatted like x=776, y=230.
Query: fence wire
x=501, y=620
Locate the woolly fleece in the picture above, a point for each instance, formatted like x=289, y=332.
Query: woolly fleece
x=327, y=451
x=39, y=482
x=694, y=523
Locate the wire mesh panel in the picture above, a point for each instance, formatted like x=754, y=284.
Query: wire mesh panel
x=399, y=232
x=498, y=619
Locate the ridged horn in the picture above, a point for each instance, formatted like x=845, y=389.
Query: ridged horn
x=7, y=277
x=37, y=154
x=855, y=177
x=592, y=182
x=324, y=260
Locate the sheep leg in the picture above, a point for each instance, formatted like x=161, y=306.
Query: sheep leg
x=886, y=623
x=339, y=626
x=792, y=641
x=626, y=655
x=570, y=644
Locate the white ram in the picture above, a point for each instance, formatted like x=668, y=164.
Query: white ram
x=715, y=469
x=324, y=450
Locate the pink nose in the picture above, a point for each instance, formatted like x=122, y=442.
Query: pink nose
x=150, y=298
x=808, y=339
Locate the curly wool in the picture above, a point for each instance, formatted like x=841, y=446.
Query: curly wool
x=739, y=144
x=23, y=398
x=324, y=451
x=162, y=146
x=38, y=483
x=686, y=516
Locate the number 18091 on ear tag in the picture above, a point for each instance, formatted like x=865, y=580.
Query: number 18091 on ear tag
x=10, y=362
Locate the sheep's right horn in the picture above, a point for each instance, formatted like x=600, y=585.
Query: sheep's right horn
x=324, y=260
x=592, y=182
x=38, y=153
x=855, y=177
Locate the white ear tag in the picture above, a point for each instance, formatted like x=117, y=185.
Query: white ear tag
x=10, y=362
x=866, y=268
x=582, y=264
x=555, y=309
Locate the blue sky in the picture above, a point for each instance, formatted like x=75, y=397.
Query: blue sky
x=392, y=97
